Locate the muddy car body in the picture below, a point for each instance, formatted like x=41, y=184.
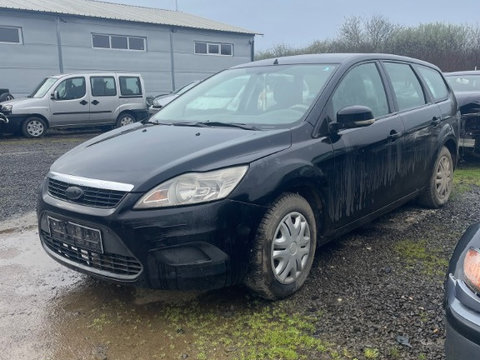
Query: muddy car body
x=466, y=85
x=244, y=189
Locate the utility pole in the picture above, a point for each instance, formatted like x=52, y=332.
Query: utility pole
x=176, y=5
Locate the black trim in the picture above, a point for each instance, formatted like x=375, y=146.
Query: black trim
x=82, y=112
x=131, y=96
x=465, y=328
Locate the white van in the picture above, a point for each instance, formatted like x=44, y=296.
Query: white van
x=76, y=100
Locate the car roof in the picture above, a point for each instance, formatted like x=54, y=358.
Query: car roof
x=95, y=73
x=466, y=72
x=332, y=58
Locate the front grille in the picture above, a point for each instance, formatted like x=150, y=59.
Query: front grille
x=100, y=198
x=106, y=264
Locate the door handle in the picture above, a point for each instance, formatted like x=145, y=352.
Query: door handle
x=436, y=120
x=394, y=135
x=95, y=102
x=83, y=102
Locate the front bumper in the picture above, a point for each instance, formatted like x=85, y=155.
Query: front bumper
x=11, y=123
x=463, y=321
x=193, y=247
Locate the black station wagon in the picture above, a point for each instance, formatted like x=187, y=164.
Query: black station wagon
x=240, y=179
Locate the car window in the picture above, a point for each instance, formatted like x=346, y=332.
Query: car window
x=69, y=89
x=464, y=82
x=130, y=86
x=361, y=86
x=103, y=86
x=407, y=88
x=434, y=81
x=271, y=95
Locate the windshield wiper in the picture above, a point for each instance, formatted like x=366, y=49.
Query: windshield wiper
x=222, y=124
x=148, y=121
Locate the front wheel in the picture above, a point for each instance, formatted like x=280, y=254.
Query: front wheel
x=284, y=248
x=34, y=127
x=125, y=119
x=440, y=183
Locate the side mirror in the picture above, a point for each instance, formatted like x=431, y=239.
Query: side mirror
x=54, y=95
x=355, y=116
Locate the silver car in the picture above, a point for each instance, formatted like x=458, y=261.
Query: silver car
x=76, y=100
x=161, y=100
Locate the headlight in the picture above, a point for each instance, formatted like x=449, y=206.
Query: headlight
x=471, y=269
x=193, y=188
x=7, y=108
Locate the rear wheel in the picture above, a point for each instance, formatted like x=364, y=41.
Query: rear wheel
x=125, y=119
x=440, y=183
x=284, y=248
x=34, y=127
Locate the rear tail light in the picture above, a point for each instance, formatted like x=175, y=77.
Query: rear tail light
x=471, y=269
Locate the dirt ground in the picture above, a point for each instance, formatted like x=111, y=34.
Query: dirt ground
x=376, y=293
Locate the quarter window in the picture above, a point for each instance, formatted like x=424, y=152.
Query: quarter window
x=434, y=81
x=361, y=86
x=121, y=42
x=103, y=86
x=407, y=88
x=69, y=89
x=208, y=48
x=11, y=35
x=130, y=86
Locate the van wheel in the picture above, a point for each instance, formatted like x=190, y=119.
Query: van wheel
x=439, y=186
x=125, y=119
x=284, y=248
x=34, y=127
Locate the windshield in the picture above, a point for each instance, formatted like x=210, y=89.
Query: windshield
x=43, y=87
x=268, y=96
x=464, y=82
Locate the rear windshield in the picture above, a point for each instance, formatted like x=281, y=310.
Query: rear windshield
x=262, y=96
x=464, y=82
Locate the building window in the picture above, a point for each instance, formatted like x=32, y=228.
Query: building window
x=207, y=48
x=10, y=35
x=120, y=42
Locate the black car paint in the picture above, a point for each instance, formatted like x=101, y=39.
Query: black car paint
x=349, y=176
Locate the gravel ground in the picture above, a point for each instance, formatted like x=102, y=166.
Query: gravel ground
x=376, y=293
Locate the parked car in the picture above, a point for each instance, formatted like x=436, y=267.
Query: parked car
x=466, y=85
x=77, y=100
x=462, y=301
x=5, y=95
x=161, y=100
x=245, y=189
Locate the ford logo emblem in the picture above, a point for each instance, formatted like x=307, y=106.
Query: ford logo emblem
x=73, y=193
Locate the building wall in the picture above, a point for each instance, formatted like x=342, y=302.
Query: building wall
x=23, y=66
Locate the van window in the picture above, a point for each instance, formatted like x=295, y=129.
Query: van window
x=434, y=81
x=130, y=86
x=407, y=88
x=73, y=88
x=103, y=86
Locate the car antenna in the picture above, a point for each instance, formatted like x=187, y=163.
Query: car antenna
x=275, y=62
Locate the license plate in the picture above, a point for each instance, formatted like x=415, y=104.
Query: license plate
x=76, y=235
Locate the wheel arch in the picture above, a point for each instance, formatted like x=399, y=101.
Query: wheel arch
x=47, y=122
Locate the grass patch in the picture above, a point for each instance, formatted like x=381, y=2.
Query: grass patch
x=417, y=254
x=464, y=178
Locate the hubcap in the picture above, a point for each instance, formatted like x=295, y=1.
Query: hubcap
x=290, y=248
x=35, y=128
x=444, y=178
x=126, y=120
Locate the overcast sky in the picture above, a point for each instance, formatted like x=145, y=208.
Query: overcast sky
x=298, y=23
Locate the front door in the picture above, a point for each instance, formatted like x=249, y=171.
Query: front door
x=367, y=160
x=70, y=103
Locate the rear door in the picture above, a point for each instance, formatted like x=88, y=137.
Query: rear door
x=367, y=160
x=104, y=99
x=71, y=103
x=421, y=118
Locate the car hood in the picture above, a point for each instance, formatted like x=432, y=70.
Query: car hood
x=468, y=101
x=25, y=102
x=164, y=100
x=146, y=155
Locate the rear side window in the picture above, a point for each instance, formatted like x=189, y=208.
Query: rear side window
x=103, y=86
x=434, y=81
x=130, y=86
x=361, y=86
x=407, y=88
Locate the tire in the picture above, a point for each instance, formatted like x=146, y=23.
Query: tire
x=34, y=127
x=440, y=183
x=125, y=119
x=279, y=277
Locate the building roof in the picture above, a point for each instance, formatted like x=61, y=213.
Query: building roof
x=111, y=11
